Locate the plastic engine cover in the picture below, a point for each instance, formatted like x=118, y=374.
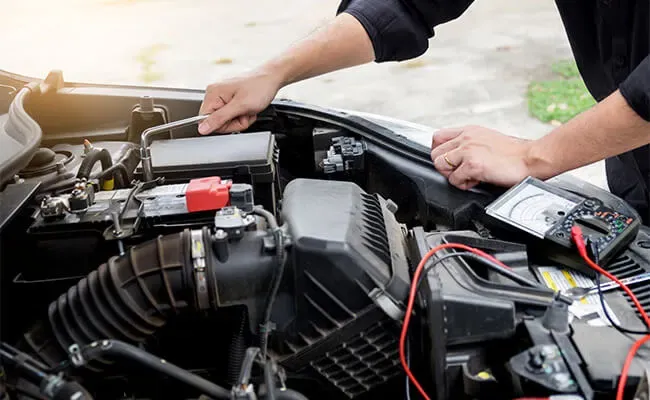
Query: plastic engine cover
x=351, y=280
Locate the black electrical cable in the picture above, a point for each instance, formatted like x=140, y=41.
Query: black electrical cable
x=609, y=317
x=277, y=280
x=593, y=250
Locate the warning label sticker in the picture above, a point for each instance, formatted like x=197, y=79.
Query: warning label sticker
x=589, y=307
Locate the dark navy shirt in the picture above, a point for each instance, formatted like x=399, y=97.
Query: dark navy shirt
x=610, y=40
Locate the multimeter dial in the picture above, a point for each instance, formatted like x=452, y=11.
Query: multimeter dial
x=600, y=224
x=548, y=214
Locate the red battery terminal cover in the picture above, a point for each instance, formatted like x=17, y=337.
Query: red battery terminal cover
x=206, y=194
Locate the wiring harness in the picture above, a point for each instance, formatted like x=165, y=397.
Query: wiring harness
x=583, y=249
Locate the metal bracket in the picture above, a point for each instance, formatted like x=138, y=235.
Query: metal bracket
x=199, y=266
x=52, y=384
x=76, y=357
x=246, y=392
x=643, y=390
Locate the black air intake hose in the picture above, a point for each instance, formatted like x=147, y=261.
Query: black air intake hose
x=132, y=296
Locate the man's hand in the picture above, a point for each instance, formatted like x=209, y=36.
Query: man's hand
x=234, y=104
x=473, y=154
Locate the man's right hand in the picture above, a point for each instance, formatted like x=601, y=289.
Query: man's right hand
x=233, y=105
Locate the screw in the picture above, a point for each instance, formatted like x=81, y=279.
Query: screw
x=117, y=227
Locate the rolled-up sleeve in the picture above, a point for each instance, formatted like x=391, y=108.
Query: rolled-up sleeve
x=401, y=29
x=636, y=89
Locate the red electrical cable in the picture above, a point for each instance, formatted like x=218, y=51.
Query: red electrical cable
x=411, y=301
x=578, y=239
x=576, y=234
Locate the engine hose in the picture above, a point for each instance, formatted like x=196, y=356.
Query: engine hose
x=119, y=172
x=50, y=386
x=132, y=296
x=90, y=159
x=66, y=176
x=269, y=380
x=116, y=348
x=288, y=394
x=237, y=349
x=124, y=168
x=129, y=298
x=270, y=218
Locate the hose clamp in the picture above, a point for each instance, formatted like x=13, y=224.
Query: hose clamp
x=199, y=265
x=76, y=357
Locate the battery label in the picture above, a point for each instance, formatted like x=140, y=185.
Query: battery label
x=163, y=191
x=589, y=307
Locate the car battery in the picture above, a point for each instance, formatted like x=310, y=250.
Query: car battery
x=243, y=158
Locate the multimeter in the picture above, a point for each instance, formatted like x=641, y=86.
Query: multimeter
x=548, y=213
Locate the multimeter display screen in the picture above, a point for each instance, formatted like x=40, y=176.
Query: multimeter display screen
x=533, y=207
x=549, y=213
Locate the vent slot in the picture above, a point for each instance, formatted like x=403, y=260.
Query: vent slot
x=625, y=267
x=373, y=230
x=363, y=362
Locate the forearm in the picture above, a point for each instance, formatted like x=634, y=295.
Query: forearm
x=607, y=129
x=343, y=43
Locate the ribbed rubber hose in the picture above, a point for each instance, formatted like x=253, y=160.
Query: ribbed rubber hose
x=128, y=298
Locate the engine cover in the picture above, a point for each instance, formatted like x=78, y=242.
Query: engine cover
x=351, y=278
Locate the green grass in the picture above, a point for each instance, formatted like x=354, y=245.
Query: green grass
x=557, y=101
x=147, y=60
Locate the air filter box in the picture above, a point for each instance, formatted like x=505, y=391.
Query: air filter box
x=243, y=158
x=351, y=282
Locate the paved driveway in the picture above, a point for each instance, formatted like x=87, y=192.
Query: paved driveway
x=475, y=72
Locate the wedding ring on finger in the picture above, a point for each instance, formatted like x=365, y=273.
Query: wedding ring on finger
x=451, y=164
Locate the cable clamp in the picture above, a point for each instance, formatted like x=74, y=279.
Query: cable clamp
x=244, y=392
x=76, y=357
x=52, y=384
x=199, y=266
x=387, y=304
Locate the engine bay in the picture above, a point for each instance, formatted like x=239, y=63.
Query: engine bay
x=315, y=255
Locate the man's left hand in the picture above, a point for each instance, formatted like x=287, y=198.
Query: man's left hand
x=473, y=154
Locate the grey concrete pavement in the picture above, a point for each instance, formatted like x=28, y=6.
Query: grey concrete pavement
x=476, y=70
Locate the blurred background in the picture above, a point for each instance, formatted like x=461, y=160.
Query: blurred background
x=505, y=65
